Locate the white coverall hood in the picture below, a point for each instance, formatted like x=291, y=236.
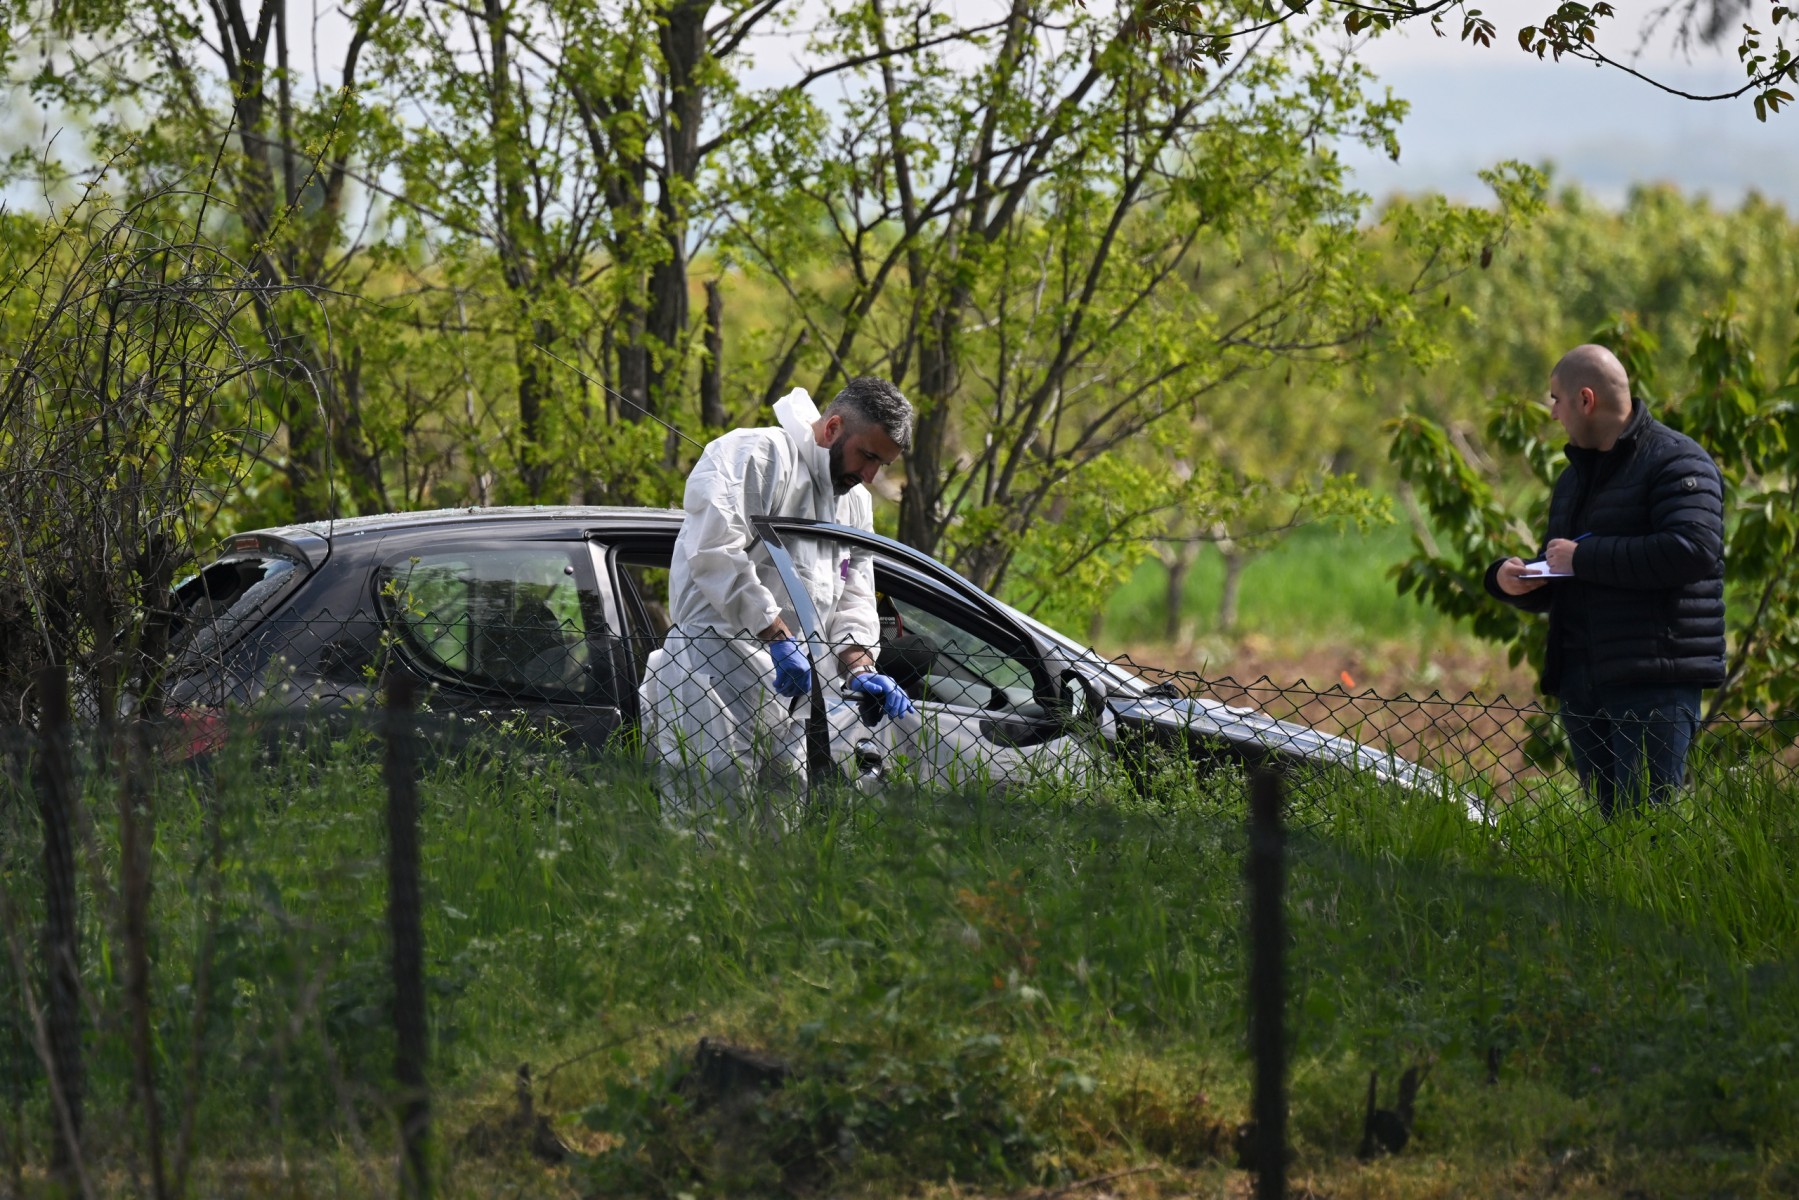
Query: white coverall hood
x=797, y=414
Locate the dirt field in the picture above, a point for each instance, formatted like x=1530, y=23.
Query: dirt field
x=1454, y=670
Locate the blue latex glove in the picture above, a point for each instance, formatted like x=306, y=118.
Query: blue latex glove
x=894, y=701
x=793, y=674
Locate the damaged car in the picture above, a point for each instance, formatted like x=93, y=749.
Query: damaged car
x=549, y=615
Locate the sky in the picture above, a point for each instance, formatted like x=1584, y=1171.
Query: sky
x=1600, y=128
x=1473, y=107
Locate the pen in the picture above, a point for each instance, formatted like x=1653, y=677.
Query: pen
x=1583, y=537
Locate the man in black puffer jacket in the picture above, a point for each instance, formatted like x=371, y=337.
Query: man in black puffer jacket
x=1632, y=577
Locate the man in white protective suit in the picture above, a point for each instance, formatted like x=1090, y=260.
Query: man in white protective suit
x=725, y=699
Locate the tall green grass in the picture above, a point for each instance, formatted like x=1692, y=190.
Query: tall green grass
x=993, y=988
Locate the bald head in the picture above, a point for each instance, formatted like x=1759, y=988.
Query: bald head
x=1589, y=393
x=1595, y=367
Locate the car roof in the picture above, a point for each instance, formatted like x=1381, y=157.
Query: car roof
x=312, y=540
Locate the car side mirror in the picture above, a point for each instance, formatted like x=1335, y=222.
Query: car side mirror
x=1083, y=698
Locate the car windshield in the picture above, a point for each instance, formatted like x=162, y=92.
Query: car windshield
x=1121, y=680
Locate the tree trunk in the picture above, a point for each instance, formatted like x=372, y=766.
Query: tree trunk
x=308, y=484
x=519, y=238
x=683, y=39
x=1179, y=568
x=665, y=325
x=927, y=466
x=783, y=376
x=292, y=247
x=633, y=363
x=712, y=369
x=1234, y=562
x=362, y=464
x=918, y=522
x=533, y=397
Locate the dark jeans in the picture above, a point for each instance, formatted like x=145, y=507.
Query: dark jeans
x=1629, y=740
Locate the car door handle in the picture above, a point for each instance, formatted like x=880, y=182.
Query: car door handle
x=1019, y=731
x=868, y=708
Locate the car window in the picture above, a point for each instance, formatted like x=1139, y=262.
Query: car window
x=648, y=588
x=227, y=597
x=942, y=654
x=513, y=618
x=1122, y=680
x=642, y=573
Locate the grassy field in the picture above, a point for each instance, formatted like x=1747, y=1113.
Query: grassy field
x=971, y=994
x=1320, y=583
x=1321, y=608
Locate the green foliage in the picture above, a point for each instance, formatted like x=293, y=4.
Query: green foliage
x=1076, y=314
x=1059, y=247
x=1465, y=506
x=1137, y=301
x=1660, y=263
x=128, y=410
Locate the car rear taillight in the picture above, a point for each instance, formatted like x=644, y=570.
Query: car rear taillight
x=198, y=732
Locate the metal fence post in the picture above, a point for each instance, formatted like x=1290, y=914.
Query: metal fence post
x=1265, y=870
x=408, y=942
x=62, y=949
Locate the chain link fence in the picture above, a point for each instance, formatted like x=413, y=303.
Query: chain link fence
x=221, y=893
x=167, y=984
x=710, y=713
x=1513, y=753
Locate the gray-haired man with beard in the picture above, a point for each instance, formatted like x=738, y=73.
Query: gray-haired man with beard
x=720, y=694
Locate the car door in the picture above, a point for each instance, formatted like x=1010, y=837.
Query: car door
x=989, y=710
x=509, y=628
x=987, y=705
x=985, y=698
